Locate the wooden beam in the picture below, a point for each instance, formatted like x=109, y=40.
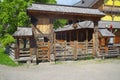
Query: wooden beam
x=69, y=16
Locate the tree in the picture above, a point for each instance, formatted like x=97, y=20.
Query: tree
x=13, y=14
x=59, y=23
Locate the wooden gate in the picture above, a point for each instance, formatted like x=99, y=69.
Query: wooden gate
x=43, y=51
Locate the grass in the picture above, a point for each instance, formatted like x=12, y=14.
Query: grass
x=5, y=59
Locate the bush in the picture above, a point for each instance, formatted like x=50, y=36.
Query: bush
x=6, y=40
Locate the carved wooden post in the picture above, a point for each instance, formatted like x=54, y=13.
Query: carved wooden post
x=95, y=39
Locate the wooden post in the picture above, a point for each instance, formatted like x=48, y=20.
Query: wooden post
x=54, y=46
x=64, y=44
x=86, y=41
x=17, y=51
x=49, y=51
x=75, y=50
x=31, y=50
x=95, y=39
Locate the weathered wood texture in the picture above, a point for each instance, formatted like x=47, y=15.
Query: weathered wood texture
x=73, y=50
x=43, y=51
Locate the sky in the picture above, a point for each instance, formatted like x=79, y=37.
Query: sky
x=67, y=2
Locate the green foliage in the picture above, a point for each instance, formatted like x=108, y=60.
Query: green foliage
x=59, y=23
x=12, y=15
x=6, y=40
x=5, y=59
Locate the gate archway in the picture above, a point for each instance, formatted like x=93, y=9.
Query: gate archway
x=42, y=16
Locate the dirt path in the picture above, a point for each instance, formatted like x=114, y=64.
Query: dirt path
x=77, y=70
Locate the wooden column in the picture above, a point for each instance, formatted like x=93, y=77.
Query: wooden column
x=95, y=39
x=17, y=51
x=75, y=49
x=86, y=41
x=54, y=46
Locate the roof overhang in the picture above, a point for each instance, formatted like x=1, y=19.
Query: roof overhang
x=62, y=11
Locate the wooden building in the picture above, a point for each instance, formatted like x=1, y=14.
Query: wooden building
x=43, y=37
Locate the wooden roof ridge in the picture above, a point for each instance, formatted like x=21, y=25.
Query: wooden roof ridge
x=64, y=9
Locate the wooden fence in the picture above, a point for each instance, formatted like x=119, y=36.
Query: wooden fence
x=73, y=50
x=109, y=51
x=11, y=51
x=65, y=51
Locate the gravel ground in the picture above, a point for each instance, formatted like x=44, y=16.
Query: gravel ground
x=69, y=70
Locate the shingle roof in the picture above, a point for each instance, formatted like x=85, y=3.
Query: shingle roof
x=89, y=24
x=106, y=33
x=64, y=9
x=86, y=3
x=85, y=24
x=23, y=31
